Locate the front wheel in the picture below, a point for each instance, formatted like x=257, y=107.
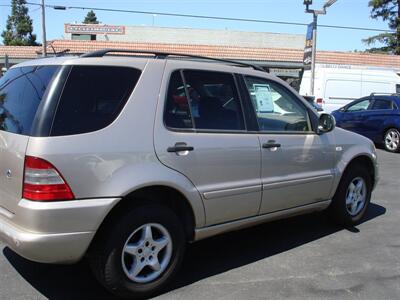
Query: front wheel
x=391, y=140
x=352, y=197
x=140, y=252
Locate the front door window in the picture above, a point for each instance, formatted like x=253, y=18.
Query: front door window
x=276, y=108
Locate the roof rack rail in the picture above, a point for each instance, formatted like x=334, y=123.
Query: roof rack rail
x=390, y=94
x=163, y=55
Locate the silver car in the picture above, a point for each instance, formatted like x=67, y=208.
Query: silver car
x=125, y=159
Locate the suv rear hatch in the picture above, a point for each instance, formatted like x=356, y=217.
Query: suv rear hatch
x=21, y=93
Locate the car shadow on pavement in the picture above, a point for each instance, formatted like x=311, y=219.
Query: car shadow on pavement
x=203, y=259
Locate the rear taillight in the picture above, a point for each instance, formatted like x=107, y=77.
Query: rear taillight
x=42, y=181
x=320, y=101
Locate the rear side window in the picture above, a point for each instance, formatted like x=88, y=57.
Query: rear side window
x=21, y=91
x=92, y=98
x=207, y=100
x=382, y=104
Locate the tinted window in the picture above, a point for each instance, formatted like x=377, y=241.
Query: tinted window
x=21, y=90
x=93, y=97
x=177, y=113
x=277, y=109
x=359, y=106
x=209, y=100
x=382, y=104
x=214, y=101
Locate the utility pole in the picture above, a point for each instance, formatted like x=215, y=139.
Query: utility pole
x=44, y=42
x=315, y=13
x=314, y=54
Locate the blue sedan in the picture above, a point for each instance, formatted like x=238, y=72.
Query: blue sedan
x=377, y=117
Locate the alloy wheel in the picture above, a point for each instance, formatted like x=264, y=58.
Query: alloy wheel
x=147, y=253
x=356, y=195
x=392, y=139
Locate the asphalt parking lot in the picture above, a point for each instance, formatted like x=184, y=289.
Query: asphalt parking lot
x=301, y=258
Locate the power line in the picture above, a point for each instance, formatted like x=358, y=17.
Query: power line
x=188, y=16
x=355, y=28
x=211, y=17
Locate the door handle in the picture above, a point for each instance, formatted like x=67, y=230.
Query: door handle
x=271, y=144
x=179, y=147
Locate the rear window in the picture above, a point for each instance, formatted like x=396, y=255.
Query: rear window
x=21, y=91
x=92, y=98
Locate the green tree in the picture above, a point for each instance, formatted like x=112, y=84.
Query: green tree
x=91, y=18
x=19, y=26
x=388, y=11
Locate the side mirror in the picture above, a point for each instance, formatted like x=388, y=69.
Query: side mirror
x=326, y=123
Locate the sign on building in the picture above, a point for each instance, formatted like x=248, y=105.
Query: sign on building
x=93, y=29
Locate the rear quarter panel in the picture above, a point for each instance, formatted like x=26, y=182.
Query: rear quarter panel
x=118, y=159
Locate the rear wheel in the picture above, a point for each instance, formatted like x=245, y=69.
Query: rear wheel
x=391, y=140
x=352, y=197
x=140, y=253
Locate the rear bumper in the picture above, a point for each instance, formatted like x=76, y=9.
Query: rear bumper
x=56, y=232
x=46, y=248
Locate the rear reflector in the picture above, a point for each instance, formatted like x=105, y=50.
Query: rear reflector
x=42, y=182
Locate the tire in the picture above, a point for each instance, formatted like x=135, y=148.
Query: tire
x=391, y=140
x=111, y=265
x=343, y=209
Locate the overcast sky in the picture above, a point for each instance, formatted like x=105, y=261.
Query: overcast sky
x=344, y=13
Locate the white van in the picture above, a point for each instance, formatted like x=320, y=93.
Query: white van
x=336, y=86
